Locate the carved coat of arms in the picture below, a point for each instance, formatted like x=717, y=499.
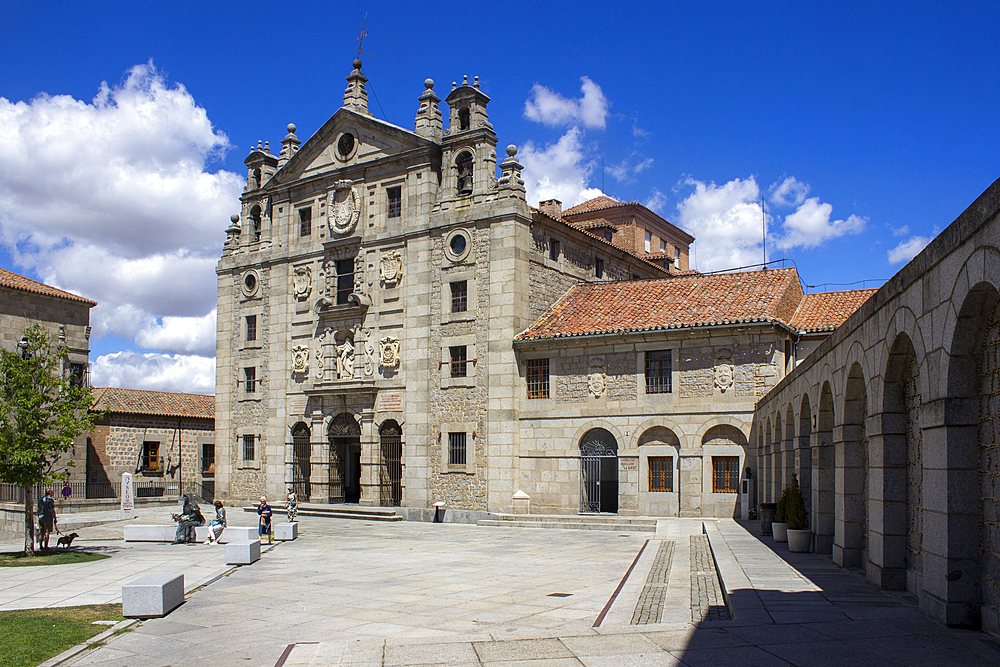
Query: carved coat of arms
x=391, y=268
x=302, y=282
x=345, y=209
x=300, y=359
x=389, y=352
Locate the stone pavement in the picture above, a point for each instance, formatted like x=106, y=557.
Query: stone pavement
x=364, y=593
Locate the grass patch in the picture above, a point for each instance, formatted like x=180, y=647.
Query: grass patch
x=61, y=557
x=32, y=636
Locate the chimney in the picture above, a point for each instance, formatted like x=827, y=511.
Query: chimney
x=551, y=207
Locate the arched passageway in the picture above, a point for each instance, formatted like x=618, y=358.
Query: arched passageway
x=598, y=471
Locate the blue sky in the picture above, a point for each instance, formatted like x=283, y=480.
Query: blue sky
x=123, y=129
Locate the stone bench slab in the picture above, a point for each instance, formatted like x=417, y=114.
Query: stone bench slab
x=242, y=553
x=165, y=533
x=152, y=595
x=286, y=531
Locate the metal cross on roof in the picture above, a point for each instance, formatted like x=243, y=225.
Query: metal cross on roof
x=361, y=38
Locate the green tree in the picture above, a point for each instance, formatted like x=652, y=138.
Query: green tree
x=41, y=413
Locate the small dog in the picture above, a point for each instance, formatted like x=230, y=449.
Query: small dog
x=66, y=540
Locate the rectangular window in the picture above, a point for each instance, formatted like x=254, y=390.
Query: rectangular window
x=395, y=196
x=661, y=473
x=208, y=458
x=658, y=372
x=553, y=249
x=345, y=279
x=77, y=375
x=460, y=296
x=251, y=328
x=459, y=361
x=649, y=240
x=248, y=448
x=725, y=474
x=456, y=449
x=663, y=245
x=249, y=380
x=305, y=221
x=608, y=236
x=538, y=378
x=151, y=456
x=598, y=268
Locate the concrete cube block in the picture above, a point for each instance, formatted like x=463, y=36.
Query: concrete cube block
x=147, y=533
x=286, y=531
x=152, y=595
x=242, y=553
x=240, y=534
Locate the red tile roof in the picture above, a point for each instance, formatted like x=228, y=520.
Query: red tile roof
x=599, y=223
x=157, y=403
x=15, y=281
x=596, y=204
x=825, y=311
x=671, y=303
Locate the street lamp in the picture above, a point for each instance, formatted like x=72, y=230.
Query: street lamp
x=23, y=346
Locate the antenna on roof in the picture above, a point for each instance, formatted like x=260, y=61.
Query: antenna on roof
x=763, y=230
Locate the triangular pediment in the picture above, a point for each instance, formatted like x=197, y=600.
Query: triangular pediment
x=374, y=140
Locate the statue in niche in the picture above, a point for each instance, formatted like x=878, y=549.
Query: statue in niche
x=345, y=209
x=302, y=282
x=300, y=359
x=345, y=359
x=391, y=268
x=389, y=352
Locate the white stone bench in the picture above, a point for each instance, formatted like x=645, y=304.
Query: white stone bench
x=152, y=595
x=159, y=533
x=242, y=553
x=286, y=531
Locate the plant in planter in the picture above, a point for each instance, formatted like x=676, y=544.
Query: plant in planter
x=799, y=535
x=779, y=527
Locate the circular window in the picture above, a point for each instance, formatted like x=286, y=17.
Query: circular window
x=457, y=245
x=345, y=145
x=250, y=283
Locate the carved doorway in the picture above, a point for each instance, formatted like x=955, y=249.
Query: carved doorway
x=345, y=459
x=390, y=464
x=598, y=472
x=301, y=461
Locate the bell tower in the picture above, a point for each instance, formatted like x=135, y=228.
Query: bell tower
x=469, y=158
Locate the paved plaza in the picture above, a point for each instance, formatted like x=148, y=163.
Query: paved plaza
x=406, y=593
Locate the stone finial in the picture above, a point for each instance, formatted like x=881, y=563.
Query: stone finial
x=475, y=83
x=429, y=123
x=291, y=128
x=510, y=170
x=233, y=234
x=465, y=80
x=429, y=84
x=289, y=146
x=356, y=96
x=267, y=146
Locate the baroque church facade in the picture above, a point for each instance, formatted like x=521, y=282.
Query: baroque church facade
x=397, y=327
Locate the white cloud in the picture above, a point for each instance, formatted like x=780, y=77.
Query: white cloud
x=908, y=249
x=657, y=200
x=558, y=171
x=626, y=170
x=162, y=372
x=810, y=226
x=725, y=221
x=113, y=199
x=790, y=192
x=900, y=231
x=551, y=108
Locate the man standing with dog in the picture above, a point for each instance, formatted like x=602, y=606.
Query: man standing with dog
x=46, y=519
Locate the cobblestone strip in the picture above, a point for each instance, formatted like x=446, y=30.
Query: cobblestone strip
x=650, y=606
x=706, y=599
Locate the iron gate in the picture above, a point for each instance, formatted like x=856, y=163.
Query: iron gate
x=390, y=469
x=301, y=461
x=598, y=464
x=344, y=432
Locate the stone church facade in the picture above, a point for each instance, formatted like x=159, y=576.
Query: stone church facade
x=376, y=302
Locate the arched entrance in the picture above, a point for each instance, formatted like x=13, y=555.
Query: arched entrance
x=301, y=464
x=598, y=472
x=390, y=469
x=345, y=459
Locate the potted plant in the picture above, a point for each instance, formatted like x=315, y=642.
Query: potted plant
x=778, y=527
x=799, y=536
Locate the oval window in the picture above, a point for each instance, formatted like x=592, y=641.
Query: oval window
x=346, y=144
x=458, y=244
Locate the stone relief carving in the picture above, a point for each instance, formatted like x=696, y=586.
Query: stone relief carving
x=302, y=282
x=391, y=268
x=369, y=353
x=723, y=370
x=389, y=352
x=596, y=380
x=344, y=209
x=321, y=342
x=300, y=359
x=345, y=359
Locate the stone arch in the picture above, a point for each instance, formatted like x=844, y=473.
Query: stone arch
x=803, y=451
x=788, y=462
x=972, y=422
x=657, y=443
x=465, y=170
x=777, y=457
x=824, y=456
x=850, y=547
x=344, y=435
x=300, y=478
x=660, y=435
x=256, y=222
x=902, y=469
x=669, y=424
x=390, y=436
x=598, y=471
x=725, y=453
x=765, y=462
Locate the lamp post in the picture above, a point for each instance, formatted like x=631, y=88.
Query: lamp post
x=22, y=345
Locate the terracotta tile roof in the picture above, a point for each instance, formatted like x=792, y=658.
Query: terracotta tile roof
x=825, y=311
x=159, y=403
x=596, y=204
x=15, y=281
x=599, y=223
x=670, y=303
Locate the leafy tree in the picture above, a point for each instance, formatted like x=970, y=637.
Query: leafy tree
x=41, y=413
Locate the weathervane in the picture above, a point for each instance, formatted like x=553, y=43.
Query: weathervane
x=361, y=38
